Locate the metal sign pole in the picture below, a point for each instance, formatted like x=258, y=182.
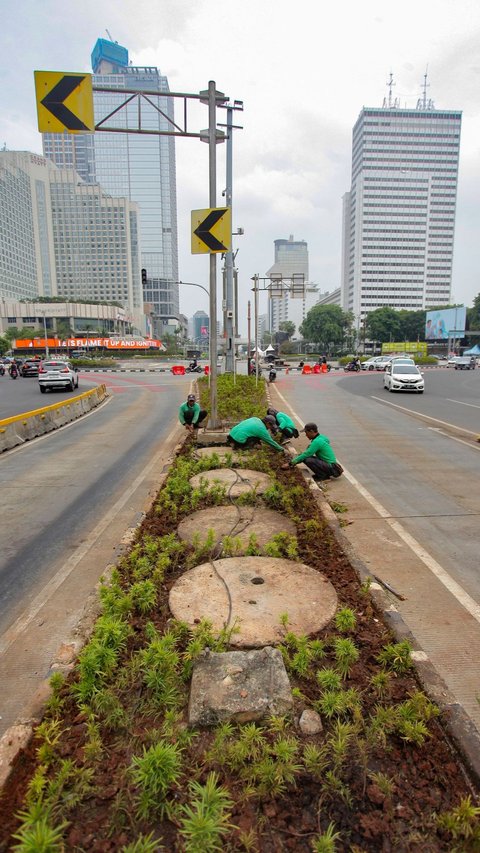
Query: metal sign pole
x=212, y=160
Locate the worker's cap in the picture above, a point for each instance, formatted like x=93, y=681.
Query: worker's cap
x=190, y=398
x=310, y=427
x=269, y=420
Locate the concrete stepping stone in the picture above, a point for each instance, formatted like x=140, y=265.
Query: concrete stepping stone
x=252, y=593
x=238, y=686
x=237, y=481
x=238, y=522
x=221, y=452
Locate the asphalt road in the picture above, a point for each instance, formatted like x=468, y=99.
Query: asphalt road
x=65, y=504
x=417, y=469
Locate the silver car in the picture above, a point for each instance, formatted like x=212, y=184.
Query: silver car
x=57, y=374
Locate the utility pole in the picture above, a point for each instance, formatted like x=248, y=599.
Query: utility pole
x=229, y=348
x=230, y=319
x=249, y=317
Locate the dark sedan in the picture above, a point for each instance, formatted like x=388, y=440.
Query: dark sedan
x=30, y=367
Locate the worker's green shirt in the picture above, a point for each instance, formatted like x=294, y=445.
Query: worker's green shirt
x=253, y=428
x=186, y=408
x=319, y=447
x=284, y=421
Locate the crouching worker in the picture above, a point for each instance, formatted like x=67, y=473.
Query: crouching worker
x=190, y=414
x=253, y=431
x=284, y=424
x=318, y=456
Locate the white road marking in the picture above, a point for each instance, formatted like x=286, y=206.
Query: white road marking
x=459, y=402
x=440, y=573
x=27, y=617
x=427, y=417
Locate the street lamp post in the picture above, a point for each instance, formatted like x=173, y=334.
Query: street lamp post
x=45, y=334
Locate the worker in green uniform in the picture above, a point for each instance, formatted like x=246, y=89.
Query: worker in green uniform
x=318, y=456
x=285, y=425
x=252, y=431
x=190, y=414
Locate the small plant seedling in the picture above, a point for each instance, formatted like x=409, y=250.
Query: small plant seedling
x=325, y=843
x=345, y=620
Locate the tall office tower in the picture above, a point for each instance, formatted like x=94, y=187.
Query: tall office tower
x=62, y=237
x=140, y=167
x=291, y=258
x=27, y=261
x=399, y=216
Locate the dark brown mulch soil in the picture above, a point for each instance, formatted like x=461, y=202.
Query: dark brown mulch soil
x=426, y=780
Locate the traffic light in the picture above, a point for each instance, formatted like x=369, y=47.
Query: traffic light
x=144, y=276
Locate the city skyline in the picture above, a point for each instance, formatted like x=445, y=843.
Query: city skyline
x=292, y=158
x=139, y=168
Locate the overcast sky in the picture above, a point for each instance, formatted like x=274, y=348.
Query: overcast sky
x=304, y=70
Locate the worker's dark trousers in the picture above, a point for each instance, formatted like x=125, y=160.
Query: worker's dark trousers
x=322, y=470
x=189, y=417
x=243, y=445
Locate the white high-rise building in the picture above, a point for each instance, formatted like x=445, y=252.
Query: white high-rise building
x=399, y=215
x=140, y=167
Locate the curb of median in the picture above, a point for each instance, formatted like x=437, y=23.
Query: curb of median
x=16, y=738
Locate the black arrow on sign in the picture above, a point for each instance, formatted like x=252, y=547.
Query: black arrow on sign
x=55, y=98
x=203, y=231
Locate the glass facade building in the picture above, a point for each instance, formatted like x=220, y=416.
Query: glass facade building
x=140, y=167
x=399, y=215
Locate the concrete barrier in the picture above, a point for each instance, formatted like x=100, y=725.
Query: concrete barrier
x=21, y=428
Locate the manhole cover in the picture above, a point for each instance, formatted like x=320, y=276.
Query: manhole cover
x=238, y=522
x=253, y=593
x=237, y=481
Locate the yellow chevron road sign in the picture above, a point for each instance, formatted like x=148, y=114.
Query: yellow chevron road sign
x=64, y=102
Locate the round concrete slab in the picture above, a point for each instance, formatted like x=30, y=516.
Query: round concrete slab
x=237, y=481
x=220, y=451
x=253, y=593
x=239, y=522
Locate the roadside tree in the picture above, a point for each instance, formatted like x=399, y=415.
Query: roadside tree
x=327, y=326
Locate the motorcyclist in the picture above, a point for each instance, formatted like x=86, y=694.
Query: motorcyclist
x=13, y=370
x=193, y=364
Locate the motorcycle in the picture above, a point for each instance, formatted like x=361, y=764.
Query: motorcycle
x=272, y=375
x=13, y=371
x=2, y=370
x=194, y=368
x=352, y=367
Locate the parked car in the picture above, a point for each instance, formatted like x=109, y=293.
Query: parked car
x=403, y=377
x=465, y=363
x=379, y=362
x=30, y=367
x=57, y=374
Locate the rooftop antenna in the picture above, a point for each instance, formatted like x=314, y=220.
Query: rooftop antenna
x=422, y=103
x=390, y=85
x=109, y=36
